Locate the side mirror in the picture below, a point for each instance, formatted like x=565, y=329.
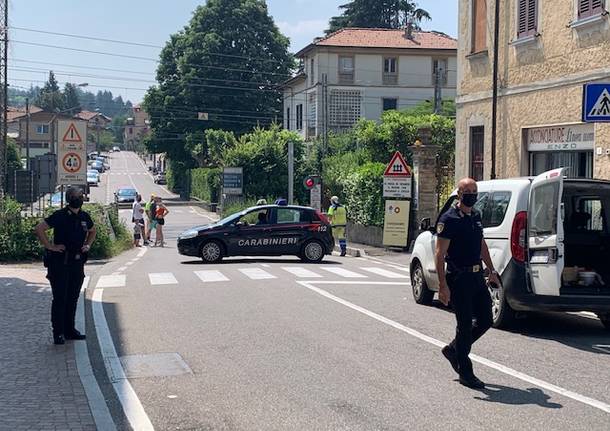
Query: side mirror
x=425, y=224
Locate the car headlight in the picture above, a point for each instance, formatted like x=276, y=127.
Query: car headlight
x=189, y=234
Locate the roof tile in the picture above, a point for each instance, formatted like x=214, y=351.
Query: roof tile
x=387, y=38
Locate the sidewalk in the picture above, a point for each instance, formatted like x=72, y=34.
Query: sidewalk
x=361, y=250
x=40, y=385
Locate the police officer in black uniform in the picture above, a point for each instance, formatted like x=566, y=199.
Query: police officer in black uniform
x=65, y=257
x=461, y=245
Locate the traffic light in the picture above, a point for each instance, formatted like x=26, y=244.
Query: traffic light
x=311, y=181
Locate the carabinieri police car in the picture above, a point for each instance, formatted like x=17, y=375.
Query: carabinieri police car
x=269, y=230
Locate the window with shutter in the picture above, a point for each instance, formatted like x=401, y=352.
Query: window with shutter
x=528, y=17
x=479, y=26
x=588, y=8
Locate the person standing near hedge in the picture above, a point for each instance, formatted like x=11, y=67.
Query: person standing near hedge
x=150, y=209
x=338, y=219
x=65, y=257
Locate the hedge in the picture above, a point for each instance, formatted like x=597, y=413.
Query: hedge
x=363, y=194
x=19, y=243
x=205, y=183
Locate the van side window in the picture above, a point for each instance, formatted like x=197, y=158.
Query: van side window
x=496, y=208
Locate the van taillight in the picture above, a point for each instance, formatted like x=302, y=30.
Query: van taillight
x=518, y=236
x=322, y=217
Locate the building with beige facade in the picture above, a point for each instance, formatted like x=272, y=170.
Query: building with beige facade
x=359, y=73
x=137, y=127
x=548, y=51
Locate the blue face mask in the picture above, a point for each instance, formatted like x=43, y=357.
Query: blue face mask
x=469, y=199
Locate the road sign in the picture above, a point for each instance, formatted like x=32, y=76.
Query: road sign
x=397, y=178
x=596, y=103
x=397, y=167
x=396, y=223
x=315, y=196
x=72, y=152
x=232, y=181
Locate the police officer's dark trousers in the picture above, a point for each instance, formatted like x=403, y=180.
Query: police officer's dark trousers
x=470, y=299
x=66, y=281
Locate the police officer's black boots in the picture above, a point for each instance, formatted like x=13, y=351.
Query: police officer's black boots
x=59, y=339
x=75, y=335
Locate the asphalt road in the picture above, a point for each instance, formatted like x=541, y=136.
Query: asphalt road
x=276, y=344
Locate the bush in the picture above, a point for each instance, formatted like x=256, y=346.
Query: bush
x=18, y=241
x=205, y=183
x=238, y=205
x=363, y=194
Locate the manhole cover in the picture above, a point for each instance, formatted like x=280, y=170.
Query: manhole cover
x=154, y=365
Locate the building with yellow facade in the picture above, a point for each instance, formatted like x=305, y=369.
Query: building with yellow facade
x=548, y=51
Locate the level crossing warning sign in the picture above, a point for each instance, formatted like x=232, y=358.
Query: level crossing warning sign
x=397, y=181
x=72, y=152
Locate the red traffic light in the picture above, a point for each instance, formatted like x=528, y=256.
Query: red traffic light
x=309, y=182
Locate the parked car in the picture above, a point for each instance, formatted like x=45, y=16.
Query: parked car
x=104, y=161
x=549, y=238
x=93, y=155
x=98, y=166
x=160, y=178
x=93, y=177
x=116, y=149
x=269, y=230
x=125, y=195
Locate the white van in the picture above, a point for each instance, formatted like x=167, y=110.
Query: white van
x=549, y=238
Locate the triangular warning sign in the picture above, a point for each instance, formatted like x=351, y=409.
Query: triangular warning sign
x=72, y=134
x=397, y=167
x=602, y=106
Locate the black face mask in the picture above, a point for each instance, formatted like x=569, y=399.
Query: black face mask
x=469, y=199
x=75, y=203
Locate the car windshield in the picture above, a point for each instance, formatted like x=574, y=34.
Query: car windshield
x=232, y=218
x=127, y=192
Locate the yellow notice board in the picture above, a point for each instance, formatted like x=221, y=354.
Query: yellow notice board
x=396, y=223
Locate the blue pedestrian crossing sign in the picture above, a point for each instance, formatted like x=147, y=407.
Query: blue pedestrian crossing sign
x=596, y=103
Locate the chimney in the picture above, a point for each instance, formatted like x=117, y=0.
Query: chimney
x=409, y=30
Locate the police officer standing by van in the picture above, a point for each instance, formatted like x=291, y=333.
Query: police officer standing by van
x=65, y=257
x=461, y=245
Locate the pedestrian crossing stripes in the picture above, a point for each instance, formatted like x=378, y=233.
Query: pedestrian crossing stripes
x=233, y=273
x=384, y=272
x=211, y=276
x=342, y=272
x=257, y=274
x=162, y=278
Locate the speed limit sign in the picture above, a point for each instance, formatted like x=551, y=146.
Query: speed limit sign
x=72, y=162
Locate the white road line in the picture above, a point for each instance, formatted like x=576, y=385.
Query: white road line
x=134, y=411
x=143, y=251
x=301, y=272
x=265, y=265
x=162, y=278
x=384, y=272
x=122, y=268
x=129, y=263
x=97, y=403
x=116, y=280
x=491, y=364
x=256, y=274
x=341, y=272
x=211, y=276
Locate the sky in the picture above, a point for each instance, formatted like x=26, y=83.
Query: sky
x=149, y=22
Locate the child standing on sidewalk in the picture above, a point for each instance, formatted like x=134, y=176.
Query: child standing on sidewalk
x=137, y=233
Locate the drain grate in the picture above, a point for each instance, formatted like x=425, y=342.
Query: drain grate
x=154, y=365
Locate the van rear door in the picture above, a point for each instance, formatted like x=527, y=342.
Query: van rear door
x=545, y=233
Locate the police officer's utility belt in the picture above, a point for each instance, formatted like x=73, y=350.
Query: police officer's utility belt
x=453, y=268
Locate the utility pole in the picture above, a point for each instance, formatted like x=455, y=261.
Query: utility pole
x=4, y=93
x=438, y=89
x=27, y=133
x=494, y=103
x=290, y=172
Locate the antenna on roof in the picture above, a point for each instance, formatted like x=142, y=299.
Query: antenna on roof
x=409, y=30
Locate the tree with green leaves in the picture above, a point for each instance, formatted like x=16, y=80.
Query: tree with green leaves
x=50, y=97
x=227, y=62
x=378, y=14
x=71, y=99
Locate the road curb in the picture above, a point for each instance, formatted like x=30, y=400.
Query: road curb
x=352, y=251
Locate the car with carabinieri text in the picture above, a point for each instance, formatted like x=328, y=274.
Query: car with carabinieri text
x=268, y=230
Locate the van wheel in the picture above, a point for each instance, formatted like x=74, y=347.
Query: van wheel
x=211, y=252
x=421, y=293
x=605, y=319
x=503, y=316
x=313, y=252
